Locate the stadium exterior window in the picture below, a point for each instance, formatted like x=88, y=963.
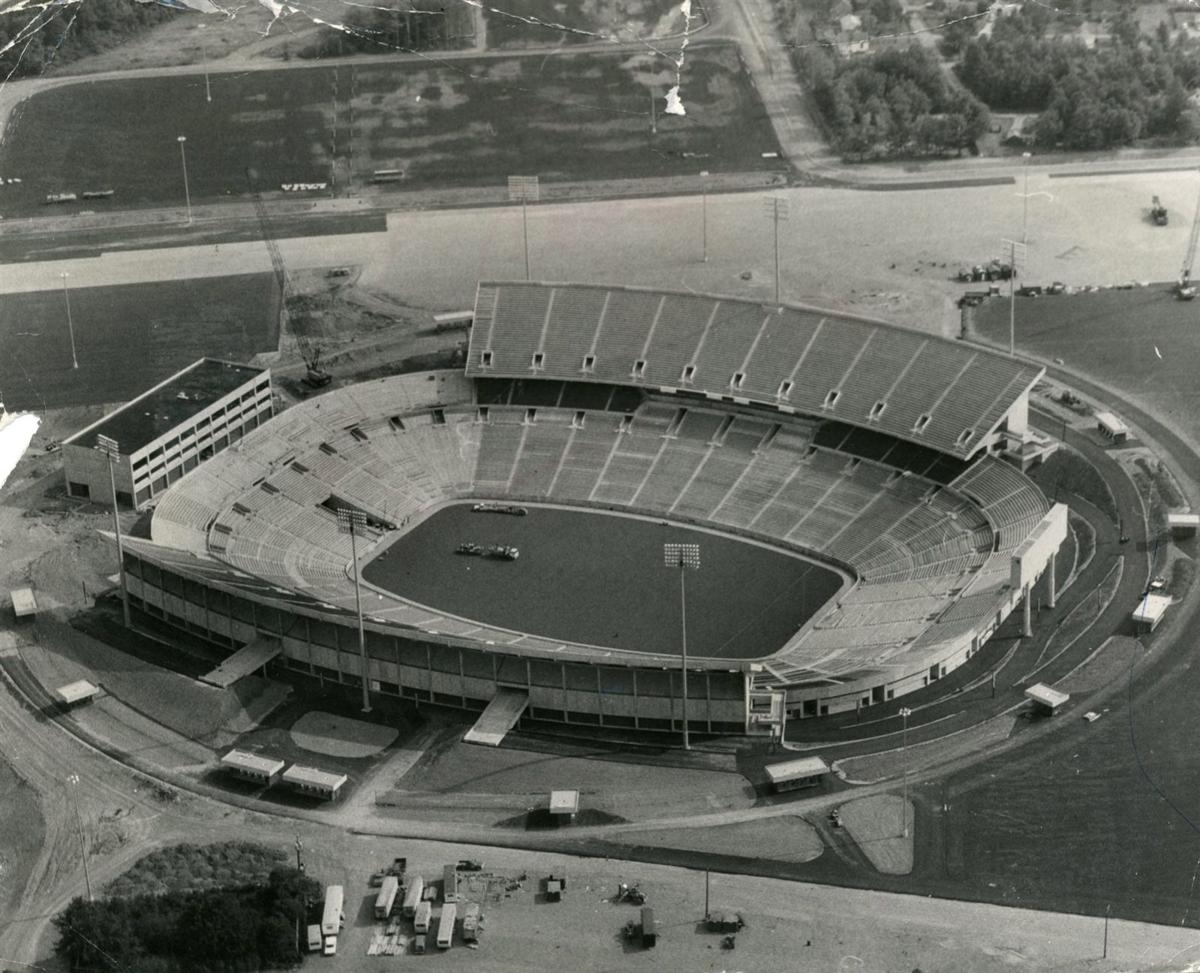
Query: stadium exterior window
x=485, y=359
x=531, y=416
x=689, y=373
x=877, y=409
x=639, y=368
x=737, y=380
x=577, y=422
x=922, y=422
x=539, y=360
x=482, y=413
x=589, y=363
x=785, y=389
x=831, y=398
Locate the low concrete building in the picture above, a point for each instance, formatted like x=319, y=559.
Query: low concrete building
x=317, y=783
x=1150, y=612
x=1183, y=525
x=1046, y=701
x=77, y=693
x=23, y=603
x=167, y=431
x=564, y=805
x=251, y=767
x=791, y=775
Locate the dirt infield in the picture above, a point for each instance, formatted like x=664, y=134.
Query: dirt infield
x=744, y=601
x=338, y=736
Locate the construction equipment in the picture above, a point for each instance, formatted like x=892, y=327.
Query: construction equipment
x=1186, y=290
x=1158, y=212
x=315, y=377
x=630, y=893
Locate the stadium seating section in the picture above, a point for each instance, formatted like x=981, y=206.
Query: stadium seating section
x=929, y=556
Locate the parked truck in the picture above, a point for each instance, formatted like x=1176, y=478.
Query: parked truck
x=332, y=918
x=470, y=923
x=422, y=916
x=1158, y=212
x=450, y=883
x=445, y=934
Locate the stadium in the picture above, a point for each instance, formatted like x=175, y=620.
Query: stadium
x=856, y=490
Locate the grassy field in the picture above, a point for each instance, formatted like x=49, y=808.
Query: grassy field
x=743, y=602
x=128, y=338
x=527, y=23
x=450, y=123
x=1144, y=341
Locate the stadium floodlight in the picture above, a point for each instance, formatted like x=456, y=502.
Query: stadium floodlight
x=905, y=713
x=350, y=522
x=704, y=215
x=108, y=446
x=776, y=209
x=73, y=782
x=1016, y=259
x=187, y=193
x=70, y=324
x=523, y=190
x=683, y=557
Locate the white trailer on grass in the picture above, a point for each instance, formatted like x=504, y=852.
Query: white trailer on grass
x=333, y=917
x=413, y=895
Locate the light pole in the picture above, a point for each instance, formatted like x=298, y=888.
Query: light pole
x=112, y=451
x=187, y=195
x=905, y=713
x=351, y=522
x=204, y=57
x=683, y=556
x=704, y=214
x=73, y=781
x=70, y=324
x=524, y=189
x=776, y=209
x=1025, y=199
x=1016, y=254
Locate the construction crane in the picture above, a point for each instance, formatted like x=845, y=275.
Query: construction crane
x=1186, y=290
x=310, y=350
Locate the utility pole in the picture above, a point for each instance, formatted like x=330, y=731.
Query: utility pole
x=110, y=448
x=1016, y=253
x=73, y=781
x=70, y=324
x=704, y=215
x=905, y=713
x=187, y=193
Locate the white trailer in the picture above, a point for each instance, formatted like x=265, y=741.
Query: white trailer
x=413, y=895
x=333, y=917
x=422, y=916
x=387, y=896
x=446, y=925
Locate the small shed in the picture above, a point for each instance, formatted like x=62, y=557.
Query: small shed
x=564, y=805
x=23, y=602
x=77, y=693
x=1046, y=701
x=791, y=775
x=319, y=783
x=1150, y=612
x=1111, y=428
x=1183, y=525
x=251, y=767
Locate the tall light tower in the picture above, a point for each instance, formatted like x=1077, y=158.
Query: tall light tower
x=704, y=215
x=776, y=210
x=1025, y=156
x=72, y=783
x=351, y=522
x=70, y=324
x=187, y=194
x=112, y=451
x=905, y=713
x=524, y=189
x=683, y=557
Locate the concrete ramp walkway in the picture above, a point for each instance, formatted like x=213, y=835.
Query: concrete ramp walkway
x=243, y=662
x=500, y=716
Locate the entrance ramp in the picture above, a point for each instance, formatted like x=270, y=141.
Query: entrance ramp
x=500, y=716
x=243, y=662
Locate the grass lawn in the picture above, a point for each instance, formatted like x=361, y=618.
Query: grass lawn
x=448, y=123
x=129, y=337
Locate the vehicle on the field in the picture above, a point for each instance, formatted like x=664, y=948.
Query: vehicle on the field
x=503, y=552
x=472, y=549
x=1158, y=212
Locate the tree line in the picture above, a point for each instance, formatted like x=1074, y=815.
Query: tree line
x=1130, y=87
x=227, y=930
x=424, y=25
x=71, y=32
x=895, y=103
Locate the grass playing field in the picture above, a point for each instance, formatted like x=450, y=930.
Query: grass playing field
x=599, y=579
x=128, y=338
x=443, y=123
